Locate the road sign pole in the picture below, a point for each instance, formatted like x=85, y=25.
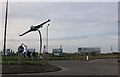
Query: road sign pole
x=26, y=57
x=25, y=50
x=31, y=54
x=27, y=60
x=19, y=61
x=31, y=60
x=11, y=54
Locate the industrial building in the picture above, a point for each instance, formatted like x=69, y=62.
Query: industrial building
x=58, y=51
x=89, y=50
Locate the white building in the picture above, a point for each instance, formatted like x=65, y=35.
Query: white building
x=89, y=50
x=58, y=52
x=7, y=52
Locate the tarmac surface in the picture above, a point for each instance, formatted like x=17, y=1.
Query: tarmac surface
x=77, y=67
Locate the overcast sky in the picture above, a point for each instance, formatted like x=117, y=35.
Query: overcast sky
x=73, y=24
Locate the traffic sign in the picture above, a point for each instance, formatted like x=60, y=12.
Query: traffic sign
x=32, y=54
x=29, y=54
x=20, y=49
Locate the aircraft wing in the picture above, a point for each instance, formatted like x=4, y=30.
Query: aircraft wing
x=25, y=33
x=39, y=26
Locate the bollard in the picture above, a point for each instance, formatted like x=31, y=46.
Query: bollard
x=87, y=58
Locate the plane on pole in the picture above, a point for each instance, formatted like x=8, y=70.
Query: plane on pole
x=34, y=28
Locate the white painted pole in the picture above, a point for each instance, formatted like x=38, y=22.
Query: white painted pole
x=47, y=39
x=87, y=58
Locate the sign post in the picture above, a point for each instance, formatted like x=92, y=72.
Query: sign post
x=20, y=50
x=31, y=54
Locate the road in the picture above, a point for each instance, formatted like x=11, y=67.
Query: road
x=96, y=67
x=77, y=67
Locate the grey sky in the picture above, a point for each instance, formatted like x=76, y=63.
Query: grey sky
x=73, y=24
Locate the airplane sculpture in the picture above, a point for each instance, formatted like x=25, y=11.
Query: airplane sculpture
x=34, y=28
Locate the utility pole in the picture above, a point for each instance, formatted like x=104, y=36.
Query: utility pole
x=6, y=16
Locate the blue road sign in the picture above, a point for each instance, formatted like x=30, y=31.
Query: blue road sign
x=20, y=49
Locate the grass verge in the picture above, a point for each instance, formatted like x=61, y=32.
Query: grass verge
x=28, y=68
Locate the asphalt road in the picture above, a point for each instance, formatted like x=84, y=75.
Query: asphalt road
x=96, y=67
x=77, y=67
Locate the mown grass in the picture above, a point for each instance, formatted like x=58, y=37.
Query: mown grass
x=13, y=59
x=28, y=68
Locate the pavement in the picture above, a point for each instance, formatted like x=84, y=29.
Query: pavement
x=77, y=67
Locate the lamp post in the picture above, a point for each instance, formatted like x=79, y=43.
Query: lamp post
x=47, y=39
x=6, y=15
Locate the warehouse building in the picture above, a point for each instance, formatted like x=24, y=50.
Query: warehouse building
x=89, y=50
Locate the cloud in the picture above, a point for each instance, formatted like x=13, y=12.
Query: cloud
x=71, y=22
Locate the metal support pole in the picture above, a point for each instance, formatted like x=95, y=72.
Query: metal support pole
x=40, y=44
x=26, y=51
x=5, y=30
x=47, y=39
x=25, y=46
x=19, y=58
x=11, y=54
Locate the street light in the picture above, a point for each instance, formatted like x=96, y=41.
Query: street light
x=47, y=39
x=36, y=28
x=6, y=16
